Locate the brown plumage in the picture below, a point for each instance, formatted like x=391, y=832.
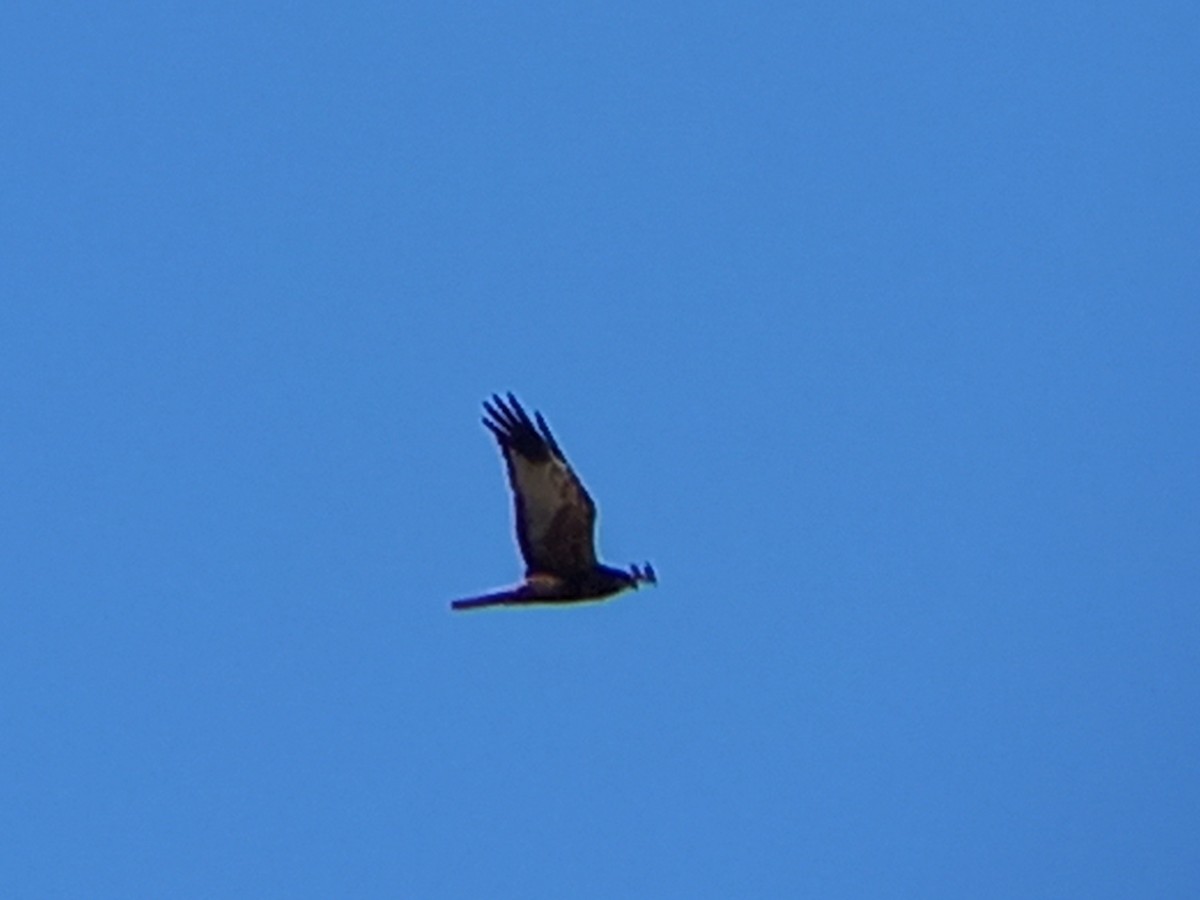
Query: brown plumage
x=555, y=518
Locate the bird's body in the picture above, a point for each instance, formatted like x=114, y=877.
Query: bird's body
x=555, y=519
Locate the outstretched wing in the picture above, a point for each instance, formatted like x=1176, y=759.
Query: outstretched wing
x=500, y=598
x=536, y=589
x=556, y=518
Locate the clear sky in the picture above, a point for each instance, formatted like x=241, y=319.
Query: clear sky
x=874, y=326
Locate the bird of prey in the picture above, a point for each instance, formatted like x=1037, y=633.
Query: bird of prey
x=556, y=519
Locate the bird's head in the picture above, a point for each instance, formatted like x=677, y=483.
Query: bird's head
x=642, y=574
x=606, y=580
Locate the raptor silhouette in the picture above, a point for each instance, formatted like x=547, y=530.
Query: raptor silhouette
x=555, y=518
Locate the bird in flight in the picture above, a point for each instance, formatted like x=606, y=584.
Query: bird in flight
x=556, y=519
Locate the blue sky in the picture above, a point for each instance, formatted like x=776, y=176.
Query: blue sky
x=874, y=326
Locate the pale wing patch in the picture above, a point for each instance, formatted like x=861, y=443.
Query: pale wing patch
x=544, y=488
